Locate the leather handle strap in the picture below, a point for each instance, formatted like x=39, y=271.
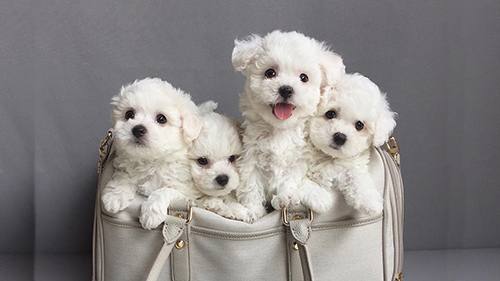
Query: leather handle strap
x=305, y=261
x=160, y=261
x=173, y=228
x=299, y=231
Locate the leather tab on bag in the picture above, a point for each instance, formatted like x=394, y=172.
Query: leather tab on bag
x=301, y=230
x=172, y=229
x=300, y=224
x=176, y=221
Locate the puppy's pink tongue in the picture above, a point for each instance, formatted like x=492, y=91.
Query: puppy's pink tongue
x=283, y=111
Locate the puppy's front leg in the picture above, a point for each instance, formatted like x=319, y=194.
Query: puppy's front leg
x=118, y=193
x=287, y=188
x=315, y=197
x=226, y=207
x=154, y=209
x=251, y=194
x=359, y=192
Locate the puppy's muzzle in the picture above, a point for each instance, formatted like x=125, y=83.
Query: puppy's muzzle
x=285, y=91
x=339, y=139
x=222, y=180
x=139, y=131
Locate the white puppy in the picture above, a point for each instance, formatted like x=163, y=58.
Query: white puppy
x=352, y=117
x=153, y=125
x=213, y=163
x=284, y=74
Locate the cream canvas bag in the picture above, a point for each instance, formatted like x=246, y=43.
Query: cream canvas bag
x=292, y=244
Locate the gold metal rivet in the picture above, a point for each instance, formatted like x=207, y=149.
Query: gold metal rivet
x=295, y=245
x=400, y=276
x=296, y=217
x=179, y=215
x=179, y=244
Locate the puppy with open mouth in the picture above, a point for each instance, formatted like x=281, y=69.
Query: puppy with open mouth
x=353, y=116
x=284, y=74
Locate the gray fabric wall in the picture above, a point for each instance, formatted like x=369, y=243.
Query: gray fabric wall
x=62, y=61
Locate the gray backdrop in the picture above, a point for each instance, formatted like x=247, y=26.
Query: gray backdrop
x=62, y=61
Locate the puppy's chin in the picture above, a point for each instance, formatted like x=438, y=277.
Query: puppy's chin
x=341, y=152
x=215, y=192
x=139, y=149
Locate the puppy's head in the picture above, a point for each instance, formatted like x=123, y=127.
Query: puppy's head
x=284, y=72
x=214, y=153
x=152, y=119
x=352, y=116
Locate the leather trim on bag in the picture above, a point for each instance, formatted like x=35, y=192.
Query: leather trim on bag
x=244, y=236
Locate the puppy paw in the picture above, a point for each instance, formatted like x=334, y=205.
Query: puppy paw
x=252, y=214
x=284, y=199
x=212, y=204
x=114, y=201
x=152, y=215
x=237, y=214
x=320, y=201
x=370, y=202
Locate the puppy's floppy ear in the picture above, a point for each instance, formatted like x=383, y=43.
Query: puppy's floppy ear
x=191, y=120
x=115, y=102
x=332, y=68
x=207, y=107
x=191, y=126
x=246, y=51
x=385, y=124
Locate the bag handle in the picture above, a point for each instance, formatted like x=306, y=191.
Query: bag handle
x=174, y=227
x=298, y=221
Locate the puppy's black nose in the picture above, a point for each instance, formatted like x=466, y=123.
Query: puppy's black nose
x=139, y=131
x=339, y=138
x=286, y=91
x=222, y=180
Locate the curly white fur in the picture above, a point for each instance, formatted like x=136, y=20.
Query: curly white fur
x=217, y=148
x=342, y=162
x=275, y=151
x=154, y=162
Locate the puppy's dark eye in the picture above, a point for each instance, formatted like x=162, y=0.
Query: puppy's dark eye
x=359, y=125
x=160, y=118
x=270, y=73
x=202, y=161
x=330, y=114
x=304, y=78
x=231, y=158
x=129, y=114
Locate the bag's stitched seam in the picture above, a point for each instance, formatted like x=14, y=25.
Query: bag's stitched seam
x=205, y=232
x=242, y=236
x=120, y=224
x=333, y=226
